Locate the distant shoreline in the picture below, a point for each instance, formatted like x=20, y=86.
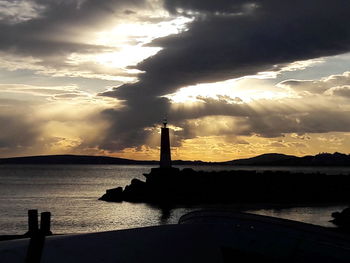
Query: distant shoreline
x=273, y=159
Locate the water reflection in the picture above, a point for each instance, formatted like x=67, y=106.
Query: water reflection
x=317, y=215
x=165, y=215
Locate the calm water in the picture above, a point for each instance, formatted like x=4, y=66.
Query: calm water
x=71, y=192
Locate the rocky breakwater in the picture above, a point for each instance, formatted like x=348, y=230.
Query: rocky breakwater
x=186, y=187
x=159, y=184
x=342, y=219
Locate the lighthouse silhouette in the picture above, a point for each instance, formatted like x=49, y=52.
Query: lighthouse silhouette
x=165, y=155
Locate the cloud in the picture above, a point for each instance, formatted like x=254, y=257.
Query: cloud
x=37, y=90
x=334, y=84
x=42, y=35
x=50, y=120
x=57, y=123
x=268, y=118
x=16, y=11
x=225, y=40
x=47, y=33
x=265, y=118
x=38, y=95
x=17, y=130
x=277, y=145
x=343, y=91
x=208, y=7
x=300, y=136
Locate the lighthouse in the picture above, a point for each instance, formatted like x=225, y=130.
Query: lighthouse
x=165, y=156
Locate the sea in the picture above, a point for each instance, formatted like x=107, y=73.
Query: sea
x=71, y=192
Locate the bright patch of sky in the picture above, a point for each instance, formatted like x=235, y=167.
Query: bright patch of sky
x=264, y=84
x=323, y=67
x=125, y=46
x=129, y=43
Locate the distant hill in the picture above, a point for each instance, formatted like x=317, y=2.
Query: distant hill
x=85, y=159
x=264, y=159
x=322, y=159
x=275, y=159
x=269, y=159
x=70, y=159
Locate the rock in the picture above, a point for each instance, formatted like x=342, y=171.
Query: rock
x=113, y=195
x=137, y=183
x=136, y=191
x=342, y=219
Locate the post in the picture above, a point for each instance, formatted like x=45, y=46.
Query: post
x=32, y=222
x=45, y=223
x=37, y=238
x=35, y=248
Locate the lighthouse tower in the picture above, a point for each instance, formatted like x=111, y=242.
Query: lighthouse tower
x=165, y=156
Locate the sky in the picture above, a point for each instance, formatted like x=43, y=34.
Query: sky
x=234, y=79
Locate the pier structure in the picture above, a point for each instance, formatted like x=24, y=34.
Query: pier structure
x=165, y=154
x=207, y=236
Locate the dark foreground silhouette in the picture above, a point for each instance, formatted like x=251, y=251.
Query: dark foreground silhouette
x=200, y=236
x=188, y=187
x=342, y=219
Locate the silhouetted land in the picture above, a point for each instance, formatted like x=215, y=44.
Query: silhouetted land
x=271, y=159
x=188, y=187
x=70, y=159
x=274, y=159
x=83, y=159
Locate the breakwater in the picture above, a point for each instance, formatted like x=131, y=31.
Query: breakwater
x=187, y=187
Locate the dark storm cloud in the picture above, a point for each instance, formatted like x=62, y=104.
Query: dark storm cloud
x=228, y=39
x=208, y=7
x=127, y=125
x=218, y=47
